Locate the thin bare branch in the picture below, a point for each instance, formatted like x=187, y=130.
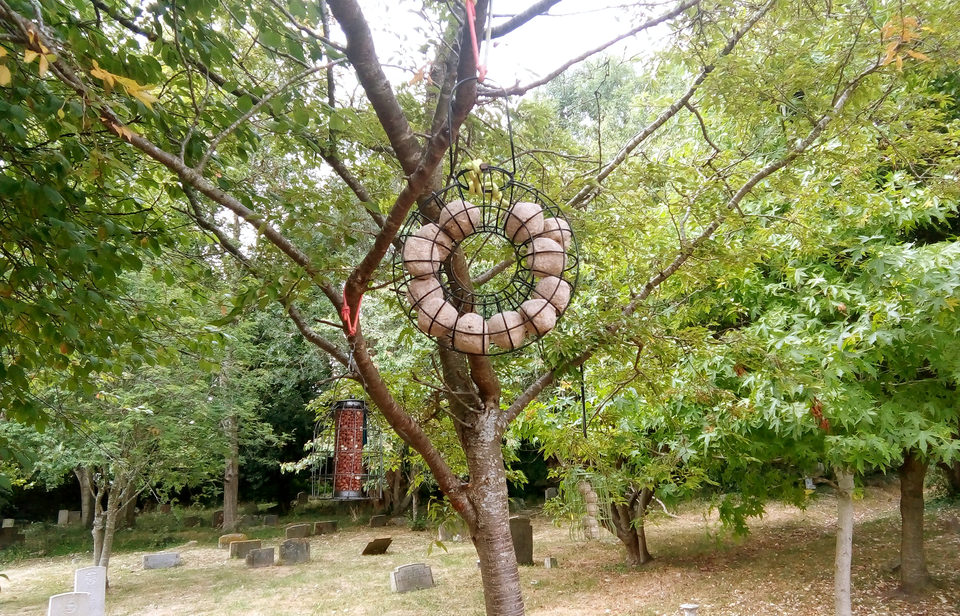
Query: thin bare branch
x=535, y=10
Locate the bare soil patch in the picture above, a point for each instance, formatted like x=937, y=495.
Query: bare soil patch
x=785, y=566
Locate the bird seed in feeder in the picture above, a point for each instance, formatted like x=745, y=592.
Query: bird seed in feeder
x=507, y=329
x=459, y=219
x=541, y=316
x=523, y=221
x=554, y=290
x=546, y=258
x=437, y=317
x=425, y=250
x=558, y=230
x=470, y=334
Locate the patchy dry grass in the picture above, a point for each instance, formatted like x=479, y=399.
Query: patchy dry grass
x=784, y=567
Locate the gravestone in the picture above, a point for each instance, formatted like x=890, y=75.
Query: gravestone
x=93, y=581
x=240, y=549
x=163, y=560
x=302, y=498
x=271, y=520
x=377, y=547
x=11, y=536
x=550, y=493
x=377, y=521
x=225, y=540
x=217, y=519
x=190, y=521
x=405, y=578
x=400, y=521
x=298, y=531
x=294, y=552
x=522, y=533
x=9, y=523
x=550, y=563
x=74, y=517
x=63, y=517
x=444, y=532
x=69, y=604
x=327, y=527
x=689, y=609
x=166, y=508
x=260, y=558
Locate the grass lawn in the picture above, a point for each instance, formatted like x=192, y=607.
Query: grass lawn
x=785, y=566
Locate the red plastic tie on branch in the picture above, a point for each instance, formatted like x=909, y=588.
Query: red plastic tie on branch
x=472, y=19
x=354, y=322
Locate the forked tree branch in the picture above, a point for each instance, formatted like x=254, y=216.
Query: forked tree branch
x=520, y=90
x=589, y=191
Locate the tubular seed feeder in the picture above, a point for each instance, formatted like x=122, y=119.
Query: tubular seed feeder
x=348, y=450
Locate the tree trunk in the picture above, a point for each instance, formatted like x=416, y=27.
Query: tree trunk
x=85, y=477
x=231, y=474
x=627, y=522
x=491, y=531
x=841, y=572
x=914, y=576
x=952, y=473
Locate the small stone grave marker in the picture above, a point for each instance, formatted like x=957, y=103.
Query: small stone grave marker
x=294, y=552
x=240, y=549
x=9, y=523
x=69, y=604
x=225, y=540
x=405, y=578
x=298, y=531
x=444, y=532
x=63, y=517
x=522, y=533
x=377, y=521
x=260, y=558
x=550, y=563
x=74, y=517
x=271, y=520
x=163, y=560
x=377, y=546
x=93, y=581
x=550, y=493
x=327, y=527
x=166, y=508
x=302, y=498
x=217, y=519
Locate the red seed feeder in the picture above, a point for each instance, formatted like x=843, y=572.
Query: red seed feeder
x=348, y=454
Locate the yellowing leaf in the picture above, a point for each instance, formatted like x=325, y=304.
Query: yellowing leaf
x=144, y=97
x=4, y=76
x=900, y=63
x=29, y=55
x=3, y=52
x=891, y=51
x=44, y=65
x=917, y=55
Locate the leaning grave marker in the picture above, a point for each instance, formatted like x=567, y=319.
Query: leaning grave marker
x=377, y=546
x=298, y=531
x=260, y=558
x=240, y=549
x=294, y=552
x=416, y=576
x=162, y=560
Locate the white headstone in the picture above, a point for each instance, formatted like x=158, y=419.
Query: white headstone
x=163, y=560
x=92, y=580
x=63, y=518
x=411, y=577
x=689, y=609
x=69, y=604
x=9, y=522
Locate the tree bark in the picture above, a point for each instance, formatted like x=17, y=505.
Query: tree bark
x=231, y=474
x=841, y=573
x=627, y=521
x=85, y=477
x=490, y=530
x=914, y=576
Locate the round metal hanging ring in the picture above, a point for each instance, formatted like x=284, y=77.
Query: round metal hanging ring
x=457, y=308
